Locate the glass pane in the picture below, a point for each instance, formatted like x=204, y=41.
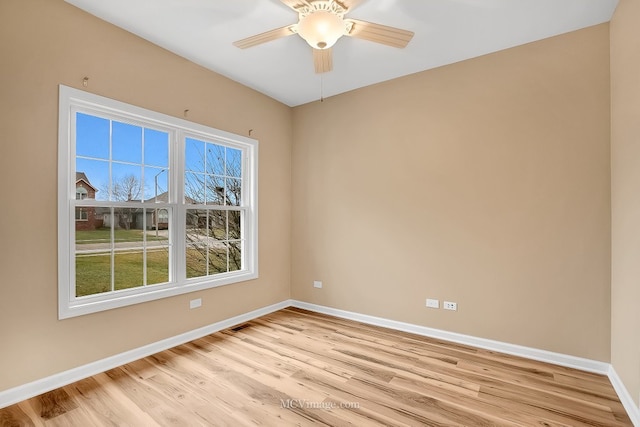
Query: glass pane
x=157, y=246
x=128, y=269
x=157, y=266
x=196, y=259
x=92, y=136
x=156, y=148
x=158, y=222
x=94, y=176
x=128, y=227
x=93, y=253
x=217, y=258
x=94, y=234
x=233, y=191
x=127, y=182
x=235, y=222
x=234, y=162
x=156, y=184
x=194, y=184
x=218, y=225
x=128, y=244
x=215, y=159
x=235, y=256
x=196, y=243
x=215, y=190
x=102, y=223
x=93, y=273
x=194, y=159
x=126, y=142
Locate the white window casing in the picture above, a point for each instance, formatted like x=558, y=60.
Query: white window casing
x=72, y=102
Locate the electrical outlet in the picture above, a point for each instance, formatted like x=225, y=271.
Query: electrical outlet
x=433, y=303
x=195, y=303
x=317, y=284
x=448, y=305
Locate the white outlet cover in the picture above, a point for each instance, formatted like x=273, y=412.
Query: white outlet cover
x=317, y=284
x=448, y=305
x=195, y=303
x=433, y=303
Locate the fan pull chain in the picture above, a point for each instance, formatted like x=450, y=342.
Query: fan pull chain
x=322, y=87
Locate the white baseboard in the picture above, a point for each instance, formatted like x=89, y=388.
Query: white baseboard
x=627, y=401
x=29, y=390
x=513, y=349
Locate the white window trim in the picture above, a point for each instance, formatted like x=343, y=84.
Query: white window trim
x=68, y=304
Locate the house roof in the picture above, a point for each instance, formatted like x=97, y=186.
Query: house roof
x=164, y=197
x=81, y=176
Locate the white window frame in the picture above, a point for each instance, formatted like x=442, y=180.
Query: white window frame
x=72, y=100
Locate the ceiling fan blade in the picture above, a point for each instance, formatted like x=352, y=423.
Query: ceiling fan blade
x=265, y=37
x=348, y=5
x=323, y=60
x=390, y=36
x=295, y=4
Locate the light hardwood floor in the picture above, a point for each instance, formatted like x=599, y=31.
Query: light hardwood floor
x=295, y=367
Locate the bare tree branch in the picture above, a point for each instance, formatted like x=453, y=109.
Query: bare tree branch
x=212, y=234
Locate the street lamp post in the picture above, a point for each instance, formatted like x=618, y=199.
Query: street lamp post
x=155, y=178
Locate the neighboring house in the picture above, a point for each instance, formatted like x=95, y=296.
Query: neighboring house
x=86, y=218
x=157, y=218
x=124, y=218
x=134, y=219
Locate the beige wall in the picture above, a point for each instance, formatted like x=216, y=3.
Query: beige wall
x=486, y=182
x=625, y=194
x=44, y=43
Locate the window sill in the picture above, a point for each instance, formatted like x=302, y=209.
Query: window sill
x=127, y=297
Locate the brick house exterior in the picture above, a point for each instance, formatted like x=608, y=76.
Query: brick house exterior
x=86, y=217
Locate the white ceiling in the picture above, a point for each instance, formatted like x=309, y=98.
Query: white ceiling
x=446, y=31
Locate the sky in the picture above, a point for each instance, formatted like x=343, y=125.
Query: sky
x=107, y=148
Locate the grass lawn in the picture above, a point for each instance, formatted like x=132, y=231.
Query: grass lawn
x=103, y=235
x=93, y=273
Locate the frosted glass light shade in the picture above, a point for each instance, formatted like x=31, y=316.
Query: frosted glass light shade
x=321, y=29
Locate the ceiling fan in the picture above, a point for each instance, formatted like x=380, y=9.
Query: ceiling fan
x=321, y=23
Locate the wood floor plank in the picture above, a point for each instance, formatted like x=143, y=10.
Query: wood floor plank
x=297, y=368
x=54, y=403
x=14, y=416
x=546, y=385
x=392, y=414
x=542, y=407
x=101, y=406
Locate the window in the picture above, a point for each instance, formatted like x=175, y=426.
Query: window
x=81, y=214
x=174, y=209
x=81, y=193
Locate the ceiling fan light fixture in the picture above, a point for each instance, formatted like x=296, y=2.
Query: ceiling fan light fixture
x=321, y=23
x=321, y=29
